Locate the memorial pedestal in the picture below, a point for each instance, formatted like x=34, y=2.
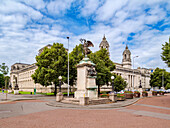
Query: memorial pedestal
x=86, y=81
x=113, y=97
x=84, y=100
x=9, y=91
x=16, y=92
x=59, y=97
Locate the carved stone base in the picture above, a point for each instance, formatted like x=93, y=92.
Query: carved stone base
x=113, y=97
x=16, y=92
x=9, y=91
x=84, y=100
x=59, y=97
x=92, y=94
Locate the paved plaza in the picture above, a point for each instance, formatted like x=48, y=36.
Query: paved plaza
x=34, y=112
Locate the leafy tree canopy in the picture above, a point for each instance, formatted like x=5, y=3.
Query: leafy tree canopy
x=2, y=80
x=119, y=83
x=167, y=86
x=74, y=58
x=104, y=66
x=166, y=53
x=52, y=63
x=4, y=69
x=157, y=76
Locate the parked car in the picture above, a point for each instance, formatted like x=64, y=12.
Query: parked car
x=122, y=91
x=167, y=91
x=148, y=89
x=162, y=90
x=157, y=90
x=134, y=91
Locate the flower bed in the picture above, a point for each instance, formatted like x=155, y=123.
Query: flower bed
x=136, y=94
x=104, y=95
x=128, y=94
x=121, y=97
x=154, y=93
x=145, y=94
x=161, y=93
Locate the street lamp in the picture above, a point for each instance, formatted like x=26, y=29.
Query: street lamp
x=60, y=78
x=133, y=70
x=112, y=77
x=68, y=67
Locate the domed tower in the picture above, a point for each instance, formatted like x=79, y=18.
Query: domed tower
x=104, y=44
x=126, y=61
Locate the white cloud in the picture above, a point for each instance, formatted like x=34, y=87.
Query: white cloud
x=25, y=28
x=59, y=7
x=107, y=11
x=90, y=7
x=38, y=4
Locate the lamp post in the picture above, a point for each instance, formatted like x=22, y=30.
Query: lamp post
x=112, y=77
x=68, y=67
x=133, y=70
x=60, y=78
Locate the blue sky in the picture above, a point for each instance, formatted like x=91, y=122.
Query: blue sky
x=28, y=25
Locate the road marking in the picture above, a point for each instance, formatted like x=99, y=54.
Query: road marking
x=146, y=113
x=4, y=111
x=153, y=106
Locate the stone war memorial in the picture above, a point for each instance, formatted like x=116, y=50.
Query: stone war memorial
x=86, y=81
x=86, y=77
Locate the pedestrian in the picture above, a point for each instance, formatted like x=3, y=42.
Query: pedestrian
x=3, y=90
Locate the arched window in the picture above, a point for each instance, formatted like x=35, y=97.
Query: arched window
x=13, y=68
x=125, y=56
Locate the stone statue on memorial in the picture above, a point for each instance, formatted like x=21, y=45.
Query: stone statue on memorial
x=91, y=72
x=86, y=44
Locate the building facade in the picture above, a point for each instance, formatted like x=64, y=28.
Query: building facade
x=134, y=77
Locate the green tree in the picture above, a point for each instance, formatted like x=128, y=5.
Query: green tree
x=74, y=58
x=4, y=69
x=2, y=80
x=7, y=78
x=166, y=53
x=52, y=63
x=158, y=77
x=167, y=86
x=119, y=83
x=104, y=66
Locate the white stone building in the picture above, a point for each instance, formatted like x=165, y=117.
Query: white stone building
x=132, y=76
x=25, y=82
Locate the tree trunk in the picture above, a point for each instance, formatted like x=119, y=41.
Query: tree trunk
x=98, y=90
x=70, y=88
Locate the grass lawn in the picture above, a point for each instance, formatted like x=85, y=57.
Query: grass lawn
x=47, y=94
x=4, y=91
x=21, y=92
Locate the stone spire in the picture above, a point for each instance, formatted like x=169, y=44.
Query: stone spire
x=104, y=44
x=126, y=61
